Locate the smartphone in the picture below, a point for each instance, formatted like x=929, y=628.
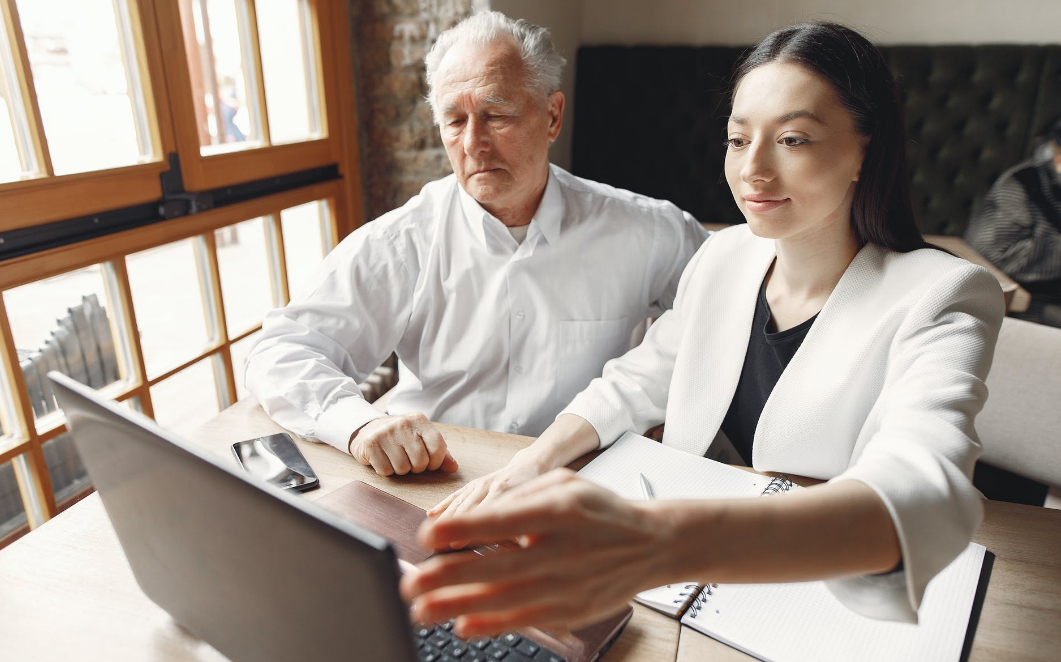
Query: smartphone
x=278, y=460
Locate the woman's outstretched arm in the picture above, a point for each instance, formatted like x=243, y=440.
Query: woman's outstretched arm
x=585, y=551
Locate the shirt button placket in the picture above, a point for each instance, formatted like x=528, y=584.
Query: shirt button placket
x=517, y=338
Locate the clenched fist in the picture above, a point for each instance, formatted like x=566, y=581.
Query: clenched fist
x=401, y=444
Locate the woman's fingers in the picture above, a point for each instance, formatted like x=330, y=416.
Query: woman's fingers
x=472, y=568
x=482, y=598
x=441, y=506
x=479, y=526
x=526, y=509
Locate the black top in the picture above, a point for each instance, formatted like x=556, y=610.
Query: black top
x=768, y=355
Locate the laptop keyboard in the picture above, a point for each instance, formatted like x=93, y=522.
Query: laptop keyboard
x=437, y=643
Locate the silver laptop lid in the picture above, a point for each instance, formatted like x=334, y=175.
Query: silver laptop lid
x=258, y=573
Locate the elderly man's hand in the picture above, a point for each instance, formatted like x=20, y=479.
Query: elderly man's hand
x=401, y=444
x=584, y=552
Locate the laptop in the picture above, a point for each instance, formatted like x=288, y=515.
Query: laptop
x=261, y=574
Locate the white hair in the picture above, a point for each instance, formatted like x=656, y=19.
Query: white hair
x=541, y=62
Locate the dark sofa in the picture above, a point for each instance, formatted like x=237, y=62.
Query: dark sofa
x=652, y=120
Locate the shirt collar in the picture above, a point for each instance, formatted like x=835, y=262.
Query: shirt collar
x=548, y=217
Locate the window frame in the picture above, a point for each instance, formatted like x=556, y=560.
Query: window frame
x=33, y=202
x=205, y=172
x=48, y=197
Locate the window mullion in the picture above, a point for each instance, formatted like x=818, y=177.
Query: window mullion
x=274, y=242
x=30, y=470
x=214, y=309
x=314, y=89
x=248, y=37
x=130, y=335
x=27, y=91
x=136, y=74
x=329, y=229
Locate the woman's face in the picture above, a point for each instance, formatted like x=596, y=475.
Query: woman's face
x=793, y=153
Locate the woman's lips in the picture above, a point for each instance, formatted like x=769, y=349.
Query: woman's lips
x=763, y=203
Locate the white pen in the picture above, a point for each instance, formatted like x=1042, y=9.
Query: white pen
x=646, y=489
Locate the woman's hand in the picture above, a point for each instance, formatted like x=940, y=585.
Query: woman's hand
x=584, y=552
x=568, y=438
x=487, y=488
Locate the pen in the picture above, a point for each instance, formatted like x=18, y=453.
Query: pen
x=646, y=489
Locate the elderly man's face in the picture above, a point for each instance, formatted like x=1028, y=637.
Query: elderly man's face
x=496, y=131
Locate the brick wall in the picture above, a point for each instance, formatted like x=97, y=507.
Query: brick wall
x=400, y=146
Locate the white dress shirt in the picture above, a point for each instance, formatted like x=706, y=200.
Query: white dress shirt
x=884, y=390
x=490, y=332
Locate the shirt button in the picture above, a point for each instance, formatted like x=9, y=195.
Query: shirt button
x=520, y=315
x=513, y=426
x=519, y=370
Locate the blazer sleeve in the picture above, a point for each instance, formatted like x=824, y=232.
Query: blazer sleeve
x=919, y=460
x=631, y=394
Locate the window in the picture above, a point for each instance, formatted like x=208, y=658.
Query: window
x=172, y=169
x=84, y=68
x=64, y=323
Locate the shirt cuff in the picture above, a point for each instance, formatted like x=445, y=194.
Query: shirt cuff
x=336, y=425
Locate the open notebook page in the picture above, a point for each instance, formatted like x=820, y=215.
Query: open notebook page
x=803, y=622
x=673, y=474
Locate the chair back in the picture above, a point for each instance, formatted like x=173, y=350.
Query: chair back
x=1020, y=425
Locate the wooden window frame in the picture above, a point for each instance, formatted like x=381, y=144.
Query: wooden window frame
x=166, y=81
x=113, y=250
x=212, y=171
x=47, y=197
x=157, y=40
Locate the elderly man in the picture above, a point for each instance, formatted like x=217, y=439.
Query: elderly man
x=503, y=288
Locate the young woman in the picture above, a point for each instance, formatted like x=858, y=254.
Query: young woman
x=824, y=338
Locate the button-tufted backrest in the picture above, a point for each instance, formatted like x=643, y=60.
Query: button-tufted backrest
x=652, y=119
x=968, y=113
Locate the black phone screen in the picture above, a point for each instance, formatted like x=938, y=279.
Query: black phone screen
x=277, y=460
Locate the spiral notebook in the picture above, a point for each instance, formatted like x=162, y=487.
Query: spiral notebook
x=670, y=472
x=783, y=622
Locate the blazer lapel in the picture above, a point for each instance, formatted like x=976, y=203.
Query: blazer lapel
x=718, y=339
x=815, y=411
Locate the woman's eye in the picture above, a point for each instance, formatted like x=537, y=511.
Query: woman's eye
x=735, y=143
x=793, y=141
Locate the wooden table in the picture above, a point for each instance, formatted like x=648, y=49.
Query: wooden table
x=1017, y=298
x=66, y=590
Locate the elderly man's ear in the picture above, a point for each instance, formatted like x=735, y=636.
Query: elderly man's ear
x=555, y=106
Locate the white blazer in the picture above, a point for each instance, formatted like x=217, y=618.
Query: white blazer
x=884, y=389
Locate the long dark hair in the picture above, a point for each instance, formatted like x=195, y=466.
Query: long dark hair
x=882, y=213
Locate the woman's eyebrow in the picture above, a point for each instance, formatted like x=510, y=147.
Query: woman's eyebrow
x=787, y=117
x=796, y=114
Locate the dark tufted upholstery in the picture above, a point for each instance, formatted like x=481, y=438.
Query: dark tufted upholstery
x=652, y=119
